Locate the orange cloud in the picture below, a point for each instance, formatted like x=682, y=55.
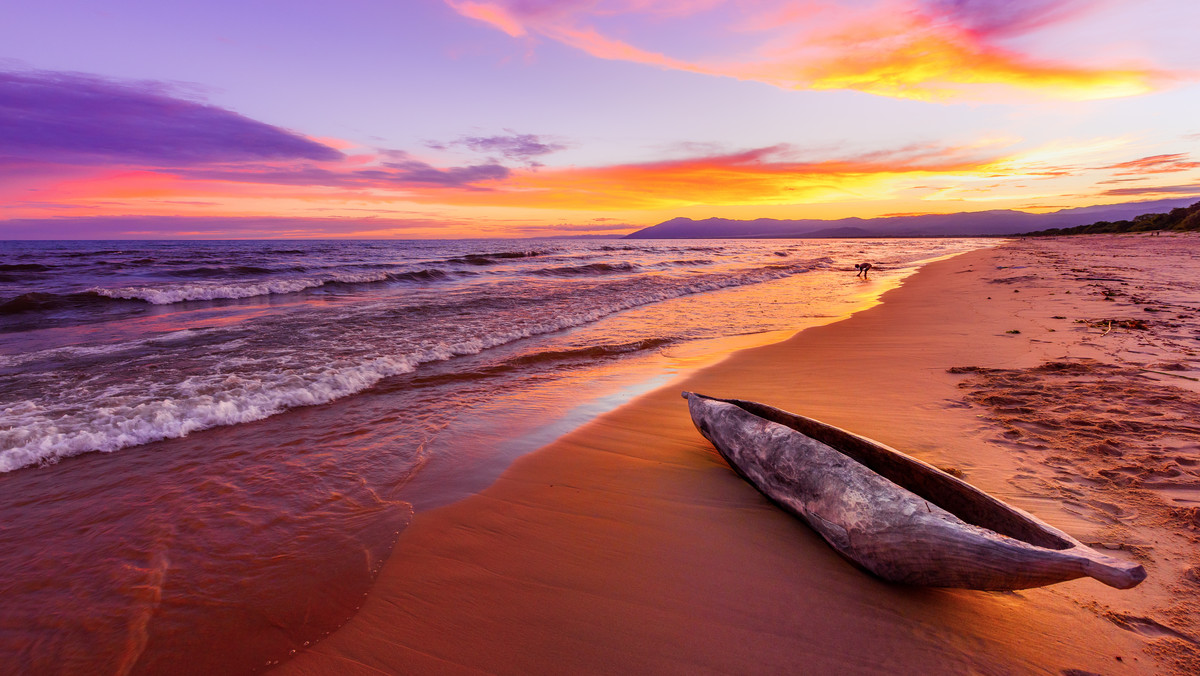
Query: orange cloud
x=777, y=181
x=914, y=55
x=899, y=48
x=1155, y=164
x=1160, y=190
x=764, y=176
x=775, y=175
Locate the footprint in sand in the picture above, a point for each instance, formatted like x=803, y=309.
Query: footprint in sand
x=1148, y=627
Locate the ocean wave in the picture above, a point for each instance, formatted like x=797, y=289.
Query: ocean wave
x=24, y=267
x=585, y=270
x=687, y=262
x=36, y=301
x=590, y=353
x=170, y=339
x=136, y=413
x=493, y=258
x=228, y=270
x=36, y=438
x=180, y=293
x=428, y=275
x=165, y=295
x=89, y=254
x=515, y=254
x=544, y=358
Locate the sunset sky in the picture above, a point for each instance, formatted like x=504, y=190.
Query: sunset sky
x=517, y=118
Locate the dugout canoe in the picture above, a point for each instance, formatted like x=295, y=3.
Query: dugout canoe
x=897, y=517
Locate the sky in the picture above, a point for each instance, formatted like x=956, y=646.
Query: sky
x=522, y=118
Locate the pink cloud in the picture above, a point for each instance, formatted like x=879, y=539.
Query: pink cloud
x=931, y=49
x=491, y=13
x=1155, y=164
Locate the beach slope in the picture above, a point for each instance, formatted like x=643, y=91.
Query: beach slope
x=629, y=546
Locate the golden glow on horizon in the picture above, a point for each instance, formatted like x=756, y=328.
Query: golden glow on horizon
x=768, y=182
x=525, y=117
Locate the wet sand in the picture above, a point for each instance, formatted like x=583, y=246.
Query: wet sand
x=628, y=546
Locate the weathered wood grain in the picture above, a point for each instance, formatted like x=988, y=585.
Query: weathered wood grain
x=893, y=515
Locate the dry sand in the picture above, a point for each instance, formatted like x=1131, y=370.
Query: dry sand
x=630, y=547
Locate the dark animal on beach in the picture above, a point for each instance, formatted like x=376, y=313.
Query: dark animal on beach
x=862, y=269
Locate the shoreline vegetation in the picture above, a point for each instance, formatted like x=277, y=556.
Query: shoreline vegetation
x=1058, y=374
x=1180, y=219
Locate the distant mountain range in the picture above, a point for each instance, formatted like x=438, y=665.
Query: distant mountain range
x=966, y=224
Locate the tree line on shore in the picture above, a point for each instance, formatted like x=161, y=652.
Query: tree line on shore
x=1177, y=220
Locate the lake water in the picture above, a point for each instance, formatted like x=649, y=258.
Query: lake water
x=207, y=449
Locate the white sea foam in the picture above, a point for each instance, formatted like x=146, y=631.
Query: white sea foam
x=77, y=351
x=139, y=413
x=201, y=402
x=178, y=293
x=124, y=391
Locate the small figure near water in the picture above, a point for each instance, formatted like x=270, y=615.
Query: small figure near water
x=862, y=269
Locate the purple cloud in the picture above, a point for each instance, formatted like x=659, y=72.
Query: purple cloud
x=408, y=170
x=73, y=118
x=521, y=147
x=54, y=123
x=1004, y=17
x=401, y=171
x=516, y=147
x=1155, y=164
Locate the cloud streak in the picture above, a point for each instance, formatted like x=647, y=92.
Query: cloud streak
x=204, y=227
x=523, y=148
x=519, y=147
x=397, y=170
x=932, y=50
x=396, y=175
x=1192, y=189
x=1155, y=164
x=778, y=174
x=71, y=134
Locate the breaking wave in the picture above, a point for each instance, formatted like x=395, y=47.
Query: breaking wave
x=590, y=353
x=586, y=270
x=200, y=403
x=180, y=293
x=36, y=301
x=42, y=433
x=493, y=258
x=24, y=267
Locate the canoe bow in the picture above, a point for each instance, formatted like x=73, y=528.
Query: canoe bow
x=893, y=515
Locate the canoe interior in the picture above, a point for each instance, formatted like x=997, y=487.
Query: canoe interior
x=953, y=495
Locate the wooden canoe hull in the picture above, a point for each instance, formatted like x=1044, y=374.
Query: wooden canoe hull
x=893, y=515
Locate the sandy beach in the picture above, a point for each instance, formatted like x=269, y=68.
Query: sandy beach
x=1060, y=375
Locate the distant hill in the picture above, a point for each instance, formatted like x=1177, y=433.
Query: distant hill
x=967, y=224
